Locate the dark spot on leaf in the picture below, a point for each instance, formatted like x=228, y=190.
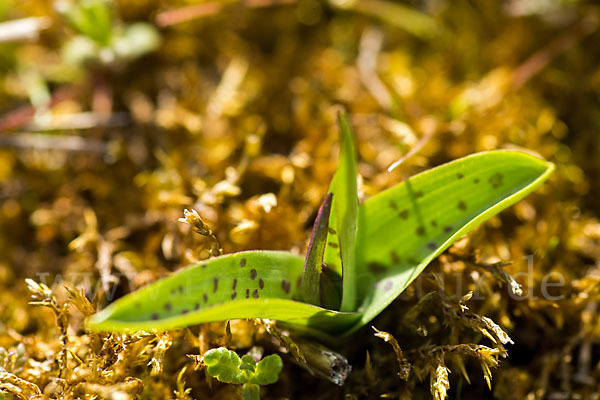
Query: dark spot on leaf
x=180, y=288
x=460, y=176
x=184, y=311
x=215, y=284
x=333, y=244
x=234, y=283
x=413, y=261
x=286, y=286
x=261, y=283
x=205, y=297
x=167, y=306
x=404, y=214
x=393, y=205
x=418, y=194
x=388, y=285
x=462, y=205
x=448, y=229
x=255, y=294
x=431, y=246
x=395, y=257
x=377, y=268
x=233, y=295
x=154, y=316
x=203, y=265
x=331, y=230
x=420, y=231
x=253, y=274
x=476, y=181
x=247, y=293
x=434, y=223
x=197, y=306
x=172, y=291
x=496, y=180
x=243, y=262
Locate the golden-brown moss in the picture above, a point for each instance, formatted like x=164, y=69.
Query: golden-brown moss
x=233, y=117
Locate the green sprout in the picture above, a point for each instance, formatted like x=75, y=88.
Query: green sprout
x=227, y=367
x=101, y=37
x=360, y=257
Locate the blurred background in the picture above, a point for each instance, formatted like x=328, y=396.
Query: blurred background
x=117, y=115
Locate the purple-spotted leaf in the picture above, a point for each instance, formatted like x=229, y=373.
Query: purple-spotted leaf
x=382, y=246
x=404, y=228
x=252, y=284
x=311, y=276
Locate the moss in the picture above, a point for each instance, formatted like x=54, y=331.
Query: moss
x=236, y=106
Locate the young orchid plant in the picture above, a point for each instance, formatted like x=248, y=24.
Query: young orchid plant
x=228, y=367
x=359, y=259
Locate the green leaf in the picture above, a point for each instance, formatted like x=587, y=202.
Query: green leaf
x=253, y=284
x=248, y=363
x=92, y=18
x=403, y=229
x=399, y=15
x=311, y=277
x=223, y=364
x=331, y=289
x=267, y=370
x=226, y=366
x=339, y=253
x=399, y=232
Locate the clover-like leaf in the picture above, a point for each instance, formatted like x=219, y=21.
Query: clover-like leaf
x=223, y=364
x=226, y=366
x=248, y=363
x=267, y=370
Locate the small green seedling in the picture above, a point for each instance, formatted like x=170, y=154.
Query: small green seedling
x=227, y=367
x=102, y=38
x=360, y=257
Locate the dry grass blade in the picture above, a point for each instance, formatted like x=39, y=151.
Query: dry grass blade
x=286, y=341
x=427, y=136
x=403, y=364
x=193, y=218
x=23, y=29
